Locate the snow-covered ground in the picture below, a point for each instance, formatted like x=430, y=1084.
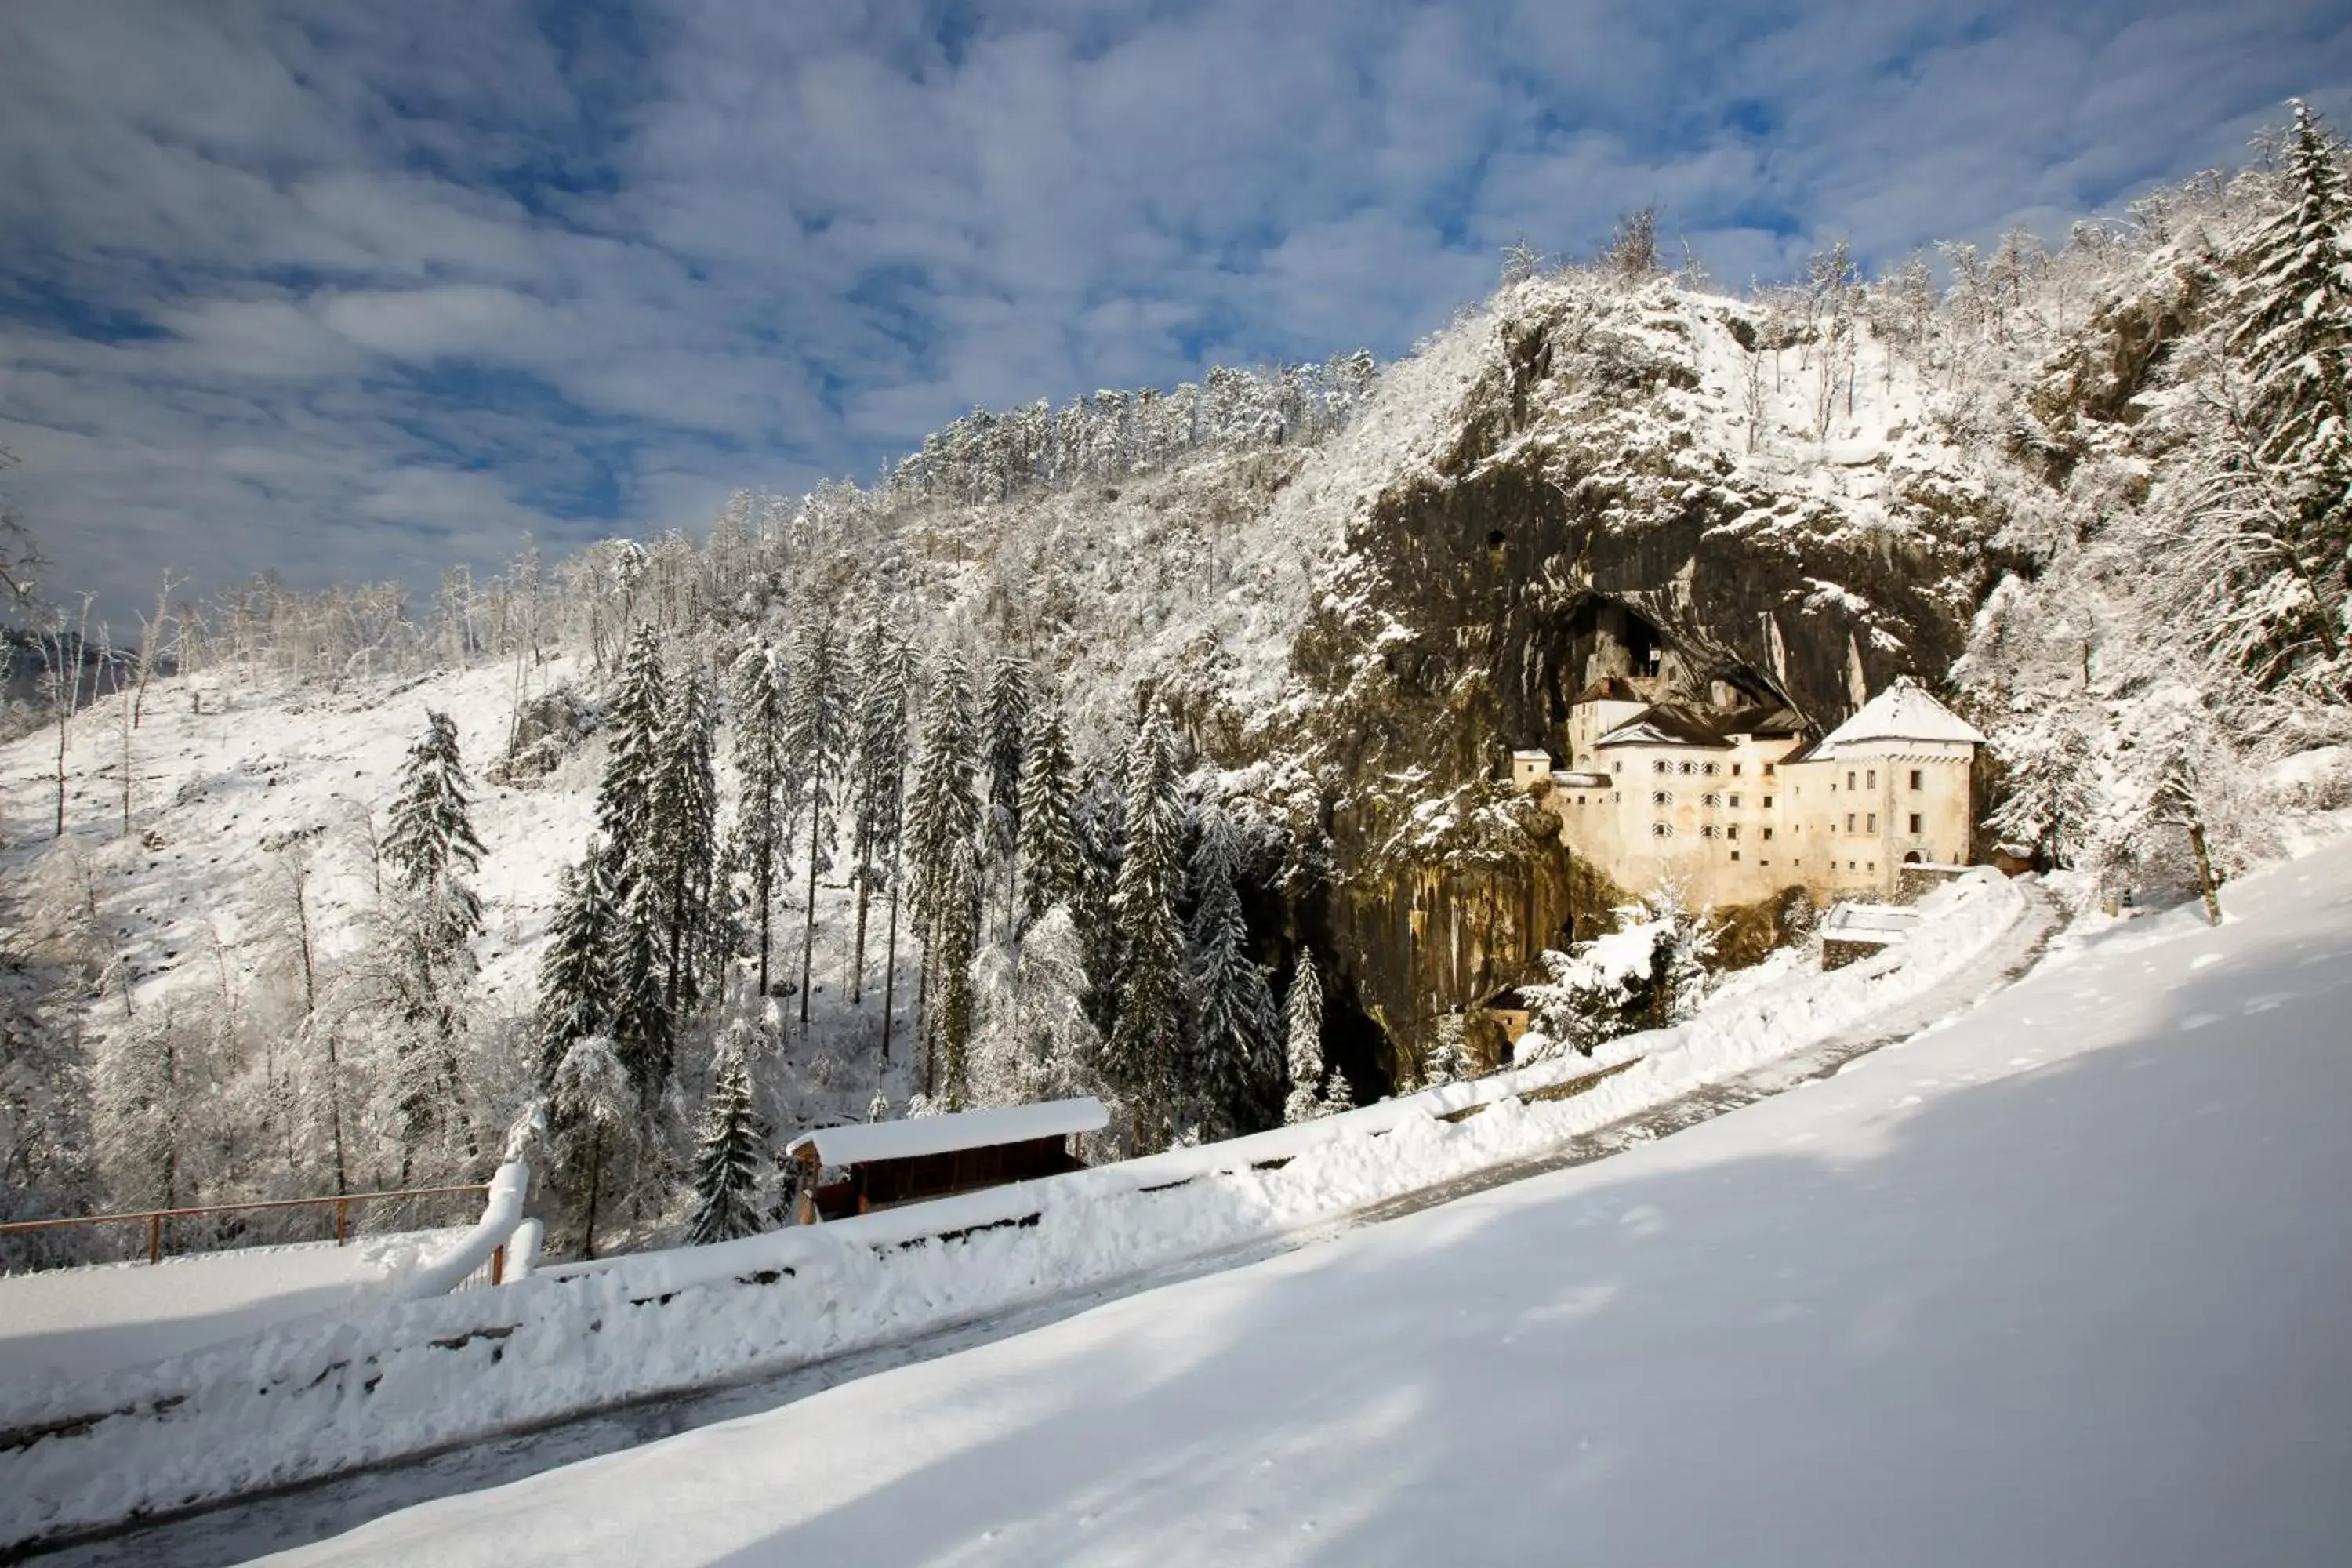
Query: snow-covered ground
x=70, y=1325
x=2062, y=1281
x=395, y=1378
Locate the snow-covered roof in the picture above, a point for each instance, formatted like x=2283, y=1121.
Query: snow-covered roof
x=1868, y=923
x=1531, y=756
x=1904, y=711
x=862, y=1141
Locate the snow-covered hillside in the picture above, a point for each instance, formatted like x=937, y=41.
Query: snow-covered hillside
x=2062, y=1282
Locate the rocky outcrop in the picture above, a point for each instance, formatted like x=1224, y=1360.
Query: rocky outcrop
x=1584, y=516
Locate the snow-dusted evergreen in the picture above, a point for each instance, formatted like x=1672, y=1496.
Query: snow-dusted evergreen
x=877, y=794
x=1146, y=1056
x=759, y=842
x=730, y=1155
x=819, y=730
x=1302, y=1012
x=1234, y=1071
x=1050, y=857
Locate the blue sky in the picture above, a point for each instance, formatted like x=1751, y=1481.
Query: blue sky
x=361, y=290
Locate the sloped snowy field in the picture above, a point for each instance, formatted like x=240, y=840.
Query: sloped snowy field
x=2063, y=1281
x=396, y=1378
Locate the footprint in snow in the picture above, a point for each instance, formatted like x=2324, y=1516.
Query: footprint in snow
x=2198, y=1020
x=2265, y=1004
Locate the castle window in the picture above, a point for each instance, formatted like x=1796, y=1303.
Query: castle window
x=1735, y=770
x=1710, y=799
x=1661, y=797
x=1871, y=781
x=1709, y=831
x=1659, y=766
x=1872, y=826
x=1767, y=833
x=1735, y=855
x=1616, y=767
x=1849, y=821
x=1662, y=830
x=1732, y=831
x=1914, y=822
x=1735, y=803
x=1617, y=797
x=1712, y=768
x=1914, y=778
x=1769, y=770
x=1849, y=778
x=1768, y=803
x=1684, y=768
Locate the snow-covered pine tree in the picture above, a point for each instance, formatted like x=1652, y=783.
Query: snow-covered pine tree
x=2295, y=326
x=575, y=973
x=759, y=836
x=877, y=802
x=819, y=727
x=2051, y=779
x=431, y=835
x=2270, y=523
x=589, y=1096
x=1033, y=1039
x=635, y=722
x=1147, y=1042
x=955, y=942
x=644, y=1030
x=428, y=931
x=1233, y=1068
x=1303, y=1026
x=681, y=851
x=730, y=1156
x=1050, y=856
x=1004, y=718
x=1100, y=818
x=942, y=813
x=1447, y=1060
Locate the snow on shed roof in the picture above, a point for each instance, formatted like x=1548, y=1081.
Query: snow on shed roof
x=862, y=1141
x=1904, y=711
x=1854, y=921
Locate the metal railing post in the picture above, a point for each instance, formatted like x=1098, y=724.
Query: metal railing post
x=155, y=1239
x=499, y=1264
x=342, y=1220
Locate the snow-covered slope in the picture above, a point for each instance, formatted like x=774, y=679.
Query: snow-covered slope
x=395, y=1378
x=2062, y=1282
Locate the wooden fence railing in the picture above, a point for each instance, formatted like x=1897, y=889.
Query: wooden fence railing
x=153, y=1218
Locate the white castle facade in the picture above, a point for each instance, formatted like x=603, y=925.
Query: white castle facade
x=1737, y=805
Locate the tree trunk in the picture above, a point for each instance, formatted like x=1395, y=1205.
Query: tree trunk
x=2212, y=888
x=857, y=946
x=890, y=970
x=595, y=1190
x=766, y=883
x=808, y=927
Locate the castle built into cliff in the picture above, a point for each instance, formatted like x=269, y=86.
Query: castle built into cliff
x=1735, y=803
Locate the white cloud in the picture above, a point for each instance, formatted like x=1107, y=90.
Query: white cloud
x=413, y=279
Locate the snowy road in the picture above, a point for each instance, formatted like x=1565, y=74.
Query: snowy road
x=235, y=1532
x=2060, y=1282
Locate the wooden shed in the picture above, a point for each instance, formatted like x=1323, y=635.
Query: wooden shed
x=884, y=1164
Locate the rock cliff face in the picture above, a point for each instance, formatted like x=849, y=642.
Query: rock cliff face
x=1617, y=488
